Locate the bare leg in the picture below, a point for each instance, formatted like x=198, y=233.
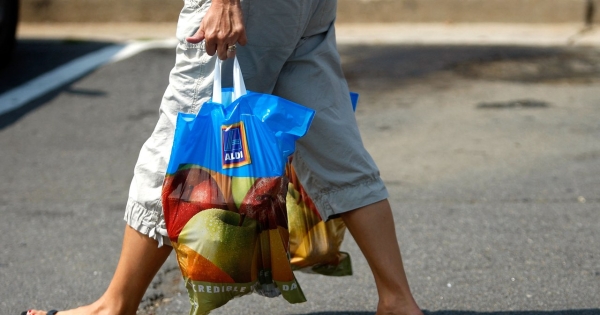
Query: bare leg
x=140, y=261
x=373, y=229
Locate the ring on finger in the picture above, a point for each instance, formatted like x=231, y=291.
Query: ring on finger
x=231, y=48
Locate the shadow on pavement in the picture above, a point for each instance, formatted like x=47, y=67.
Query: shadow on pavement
x=397, y=63
x=453, y=312
x=34, y=57
x=16, y=114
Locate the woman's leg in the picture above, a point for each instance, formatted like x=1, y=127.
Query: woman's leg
x=373, y=229
x=140, y=261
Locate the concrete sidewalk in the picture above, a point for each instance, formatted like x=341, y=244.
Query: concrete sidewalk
x=565, y=34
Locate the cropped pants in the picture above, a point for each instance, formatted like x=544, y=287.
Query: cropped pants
x=291, y=53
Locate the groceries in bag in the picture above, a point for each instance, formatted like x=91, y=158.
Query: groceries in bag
x=224, y=195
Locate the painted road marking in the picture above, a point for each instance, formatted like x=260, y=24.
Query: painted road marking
x=66, y=73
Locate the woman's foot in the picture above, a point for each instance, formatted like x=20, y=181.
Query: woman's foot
x=34, y=312
x=398, y=305
x=96, y=308
x=401, y=309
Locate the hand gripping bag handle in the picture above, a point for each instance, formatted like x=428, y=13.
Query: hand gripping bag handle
x=239, y=88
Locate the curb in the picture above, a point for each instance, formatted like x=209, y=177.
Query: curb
x=349, y=11
x=468, y=11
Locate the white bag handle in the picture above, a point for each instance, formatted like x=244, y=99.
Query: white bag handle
x=239, y=88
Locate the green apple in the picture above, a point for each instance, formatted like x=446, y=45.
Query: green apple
x=217, y=236
x=240, y=187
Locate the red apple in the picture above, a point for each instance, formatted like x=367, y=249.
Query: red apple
x=207, y=195
x=180, y=184
x=186, y=193
x=265, y=202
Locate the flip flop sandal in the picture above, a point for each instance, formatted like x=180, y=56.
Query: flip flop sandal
x=52, y=312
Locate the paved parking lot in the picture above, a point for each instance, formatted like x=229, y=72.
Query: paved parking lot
x=490, y=153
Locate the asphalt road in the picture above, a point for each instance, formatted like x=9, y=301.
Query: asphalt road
x=491, y=156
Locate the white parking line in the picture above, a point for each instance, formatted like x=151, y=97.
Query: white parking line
x=138, y=47
x=66, y=73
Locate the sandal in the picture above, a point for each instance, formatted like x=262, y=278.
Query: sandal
x=52, y=312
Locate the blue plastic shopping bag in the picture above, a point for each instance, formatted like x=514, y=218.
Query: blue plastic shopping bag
x=224, y=195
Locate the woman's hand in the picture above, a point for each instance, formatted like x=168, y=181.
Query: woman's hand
x=221, y=28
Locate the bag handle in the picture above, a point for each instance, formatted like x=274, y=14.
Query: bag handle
x=239, y=88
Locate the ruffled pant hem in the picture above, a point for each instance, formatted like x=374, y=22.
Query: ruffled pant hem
x=149, y=222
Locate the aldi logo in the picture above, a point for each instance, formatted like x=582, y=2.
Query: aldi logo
x=234, y=145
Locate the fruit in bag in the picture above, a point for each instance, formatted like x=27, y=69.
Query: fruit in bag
x=224, y=199
x=314, y=243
